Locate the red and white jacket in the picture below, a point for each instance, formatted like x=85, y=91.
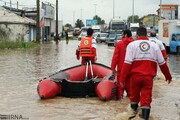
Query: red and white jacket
x=141, y=58
x=161, y=46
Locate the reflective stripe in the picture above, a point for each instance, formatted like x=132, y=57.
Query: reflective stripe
x=145, y=107
x=134, y=103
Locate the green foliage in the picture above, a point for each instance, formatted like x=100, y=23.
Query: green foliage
x=8, y=44
x=130, y=19
x=68, y=25
x=79, y=23
x=99, y=20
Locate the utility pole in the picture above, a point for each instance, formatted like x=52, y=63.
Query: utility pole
x=81, y=19
x=57, y=36
x=38, y=31
x=10, y=5
x=17, y=5
x=160, y=10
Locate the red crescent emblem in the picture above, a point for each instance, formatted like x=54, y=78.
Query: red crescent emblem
x=143, y=46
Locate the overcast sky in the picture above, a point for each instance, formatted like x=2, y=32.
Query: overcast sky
x=86, y=9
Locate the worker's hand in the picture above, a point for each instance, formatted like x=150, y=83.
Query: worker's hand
x=169, y=80
x=77, y=57
x=95, y=58
x=114, y=72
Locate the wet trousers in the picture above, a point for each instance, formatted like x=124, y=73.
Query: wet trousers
x=86, y=59
x=125, y=87
x=141, y=89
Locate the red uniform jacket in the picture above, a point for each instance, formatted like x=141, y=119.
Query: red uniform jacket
x=119, y=53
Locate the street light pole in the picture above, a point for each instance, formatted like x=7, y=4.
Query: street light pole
x=57, y=36
x=113, y=8
x=81, y=13
x=95, y=8
x=73, y=18
x=132, y=11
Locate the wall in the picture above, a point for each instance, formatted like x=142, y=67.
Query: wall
x=53, y=26
x=150, y=20
x=17, y=32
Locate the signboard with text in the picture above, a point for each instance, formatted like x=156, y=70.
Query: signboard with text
x=91, y=22
x=165, y=30
x=49, y=11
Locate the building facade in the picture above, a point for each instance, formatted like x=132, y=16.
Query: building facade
x=149, y=20
x=47, y=21
x=169, y=11
x=16, y=28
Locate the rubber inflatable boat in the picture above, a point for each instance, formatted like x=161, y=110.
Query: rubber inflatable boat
x=85, y=80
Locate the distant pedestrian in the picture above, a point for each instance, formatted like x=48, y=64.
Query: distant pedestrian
x=140, y=63
x=118, y=60
x=153, y=38
x=45, y=38
x=62, y=35
x=67, y=37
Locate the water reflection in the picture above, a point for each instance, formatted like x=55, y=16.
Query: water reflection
x=174, y=66
x=21, y=69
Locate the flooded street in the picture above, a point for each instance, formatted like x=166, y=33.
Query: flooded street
x=21, y=69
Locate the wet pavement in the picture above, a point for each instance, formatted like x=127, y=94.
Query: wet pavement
x=21, y=69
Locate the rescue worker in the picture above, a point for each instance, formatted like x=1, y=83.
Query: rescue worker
x=153, y=38
x=140, y=63
x=118, y=60
x=87, y=48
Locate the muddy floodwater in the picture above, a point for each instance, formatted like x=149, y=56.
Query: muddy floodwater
x=21, y=69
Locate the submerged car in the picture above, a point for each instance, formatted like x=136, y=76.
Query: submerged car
x=101, y=37
x=119, y=38
x=83, y=34
x=111, y=39
x=95, y=35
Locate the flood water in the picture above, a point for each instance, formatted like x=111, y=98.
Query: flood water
x=21, y=69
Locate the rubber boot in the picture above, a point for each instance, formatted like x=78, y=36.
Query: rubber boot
x=145, y=114
x=133, y=111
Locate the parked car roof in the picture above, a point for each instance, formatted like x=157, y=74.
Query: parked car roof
x=101, y=37
x=83, y=34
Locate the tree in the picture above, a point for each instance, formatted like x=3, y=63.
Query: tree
x=99, y=20
x=68, y=26
x=130, y=19
x=79, y=23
